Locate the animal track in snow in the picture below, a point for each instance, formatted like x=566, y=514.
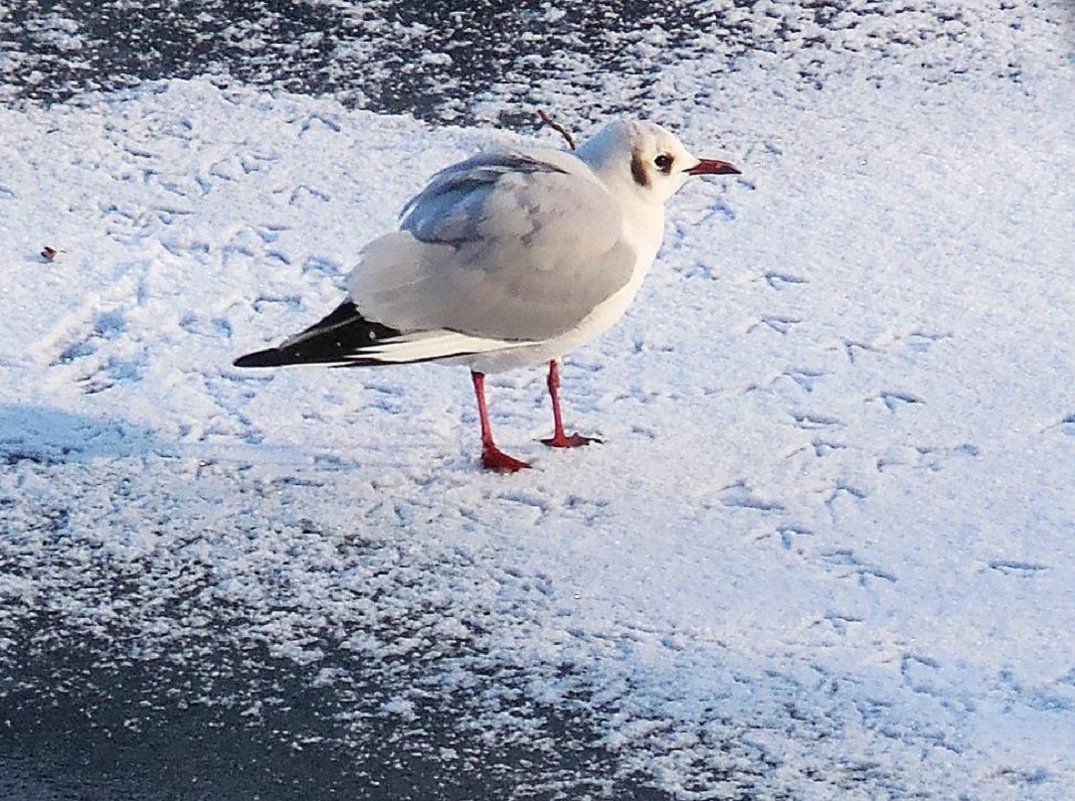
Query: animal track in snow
x=184, y=246
x=293, y=302
x=234, y=167
x=592, y=510
x=815, y=421
x=780, y=281
x=1013, y=568
x=319, y=120
x=215, y=327
x=738, y=495
x=842, y=492
x=824, y=447
x=894, y=400
x=269, y=233
x=916, y=341
x=112, y=372
x=917, y=670
x=700, y=270
x=845, y=559
x=804, y=377
x=844, y=487
x=168, y=215
x=920, y=341
x=776, y=322
x=789, y=531
x=528, y=503
x=921, y=457
x=105, y=326
x=820, y=448
x=321, y=264
x=302, y=192
x=851, y=347
x=841, y=623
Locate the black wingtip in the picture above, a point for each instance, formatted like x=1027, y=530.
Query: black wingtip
x=336, y=340
x=273, y=357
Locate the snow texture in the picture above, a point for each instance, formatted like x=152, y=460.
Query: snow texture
x=827, y=548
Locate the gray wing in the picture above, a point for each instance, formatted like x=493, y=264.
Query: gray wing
x=510, y=246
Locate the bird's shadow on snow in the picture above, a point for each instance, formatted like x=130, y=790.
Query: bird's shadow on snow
x=51, y=436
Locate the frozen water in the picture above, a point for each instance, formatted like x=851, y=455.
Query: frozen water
x=828, y=546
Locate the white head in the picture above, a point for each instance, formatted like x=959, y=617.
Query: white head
x=647, y=157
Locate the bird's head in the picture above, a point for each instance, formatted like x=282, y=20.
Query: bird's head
x=647, y=157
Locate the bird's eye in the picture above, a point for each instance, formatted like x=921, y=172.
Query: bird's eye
x=663, y=162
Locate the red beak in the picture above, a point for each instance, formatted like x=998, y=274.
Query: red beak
x=712, y=167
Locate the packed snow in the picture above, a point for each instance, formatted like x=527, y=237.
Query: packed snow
x=827, y=548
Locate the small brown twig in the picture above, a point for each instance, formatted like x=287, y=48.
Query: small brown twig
x=560, y=129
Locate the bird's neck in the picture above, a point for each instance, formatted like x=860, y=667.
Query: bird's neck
x=643, y=229
x=643, y=213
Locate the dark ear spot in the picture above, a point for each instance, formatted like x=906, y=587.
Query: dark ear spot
x=638, y=169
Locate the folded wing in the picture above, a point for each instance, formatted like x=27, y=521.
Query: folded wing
x=513, y=246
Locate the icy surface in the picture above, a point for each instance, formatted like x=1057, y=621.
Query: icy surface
x=462, y=61
x=827, y=549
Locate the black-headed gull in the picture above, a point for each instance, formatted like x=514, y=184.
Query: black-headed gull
x=508, y=259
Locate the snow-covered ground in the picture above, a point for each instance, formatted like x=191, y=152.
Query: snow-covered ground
x=827, y=548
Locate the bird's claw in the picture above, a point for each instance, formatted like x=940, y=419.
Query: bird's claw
x=562, y=440
x=495, y=459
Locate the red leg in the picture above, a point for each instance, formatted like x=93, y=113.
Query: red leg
x=559, y=439
x=492, y=457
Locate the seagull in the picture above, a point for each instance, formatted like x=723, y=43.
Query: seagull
x=510, y=258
